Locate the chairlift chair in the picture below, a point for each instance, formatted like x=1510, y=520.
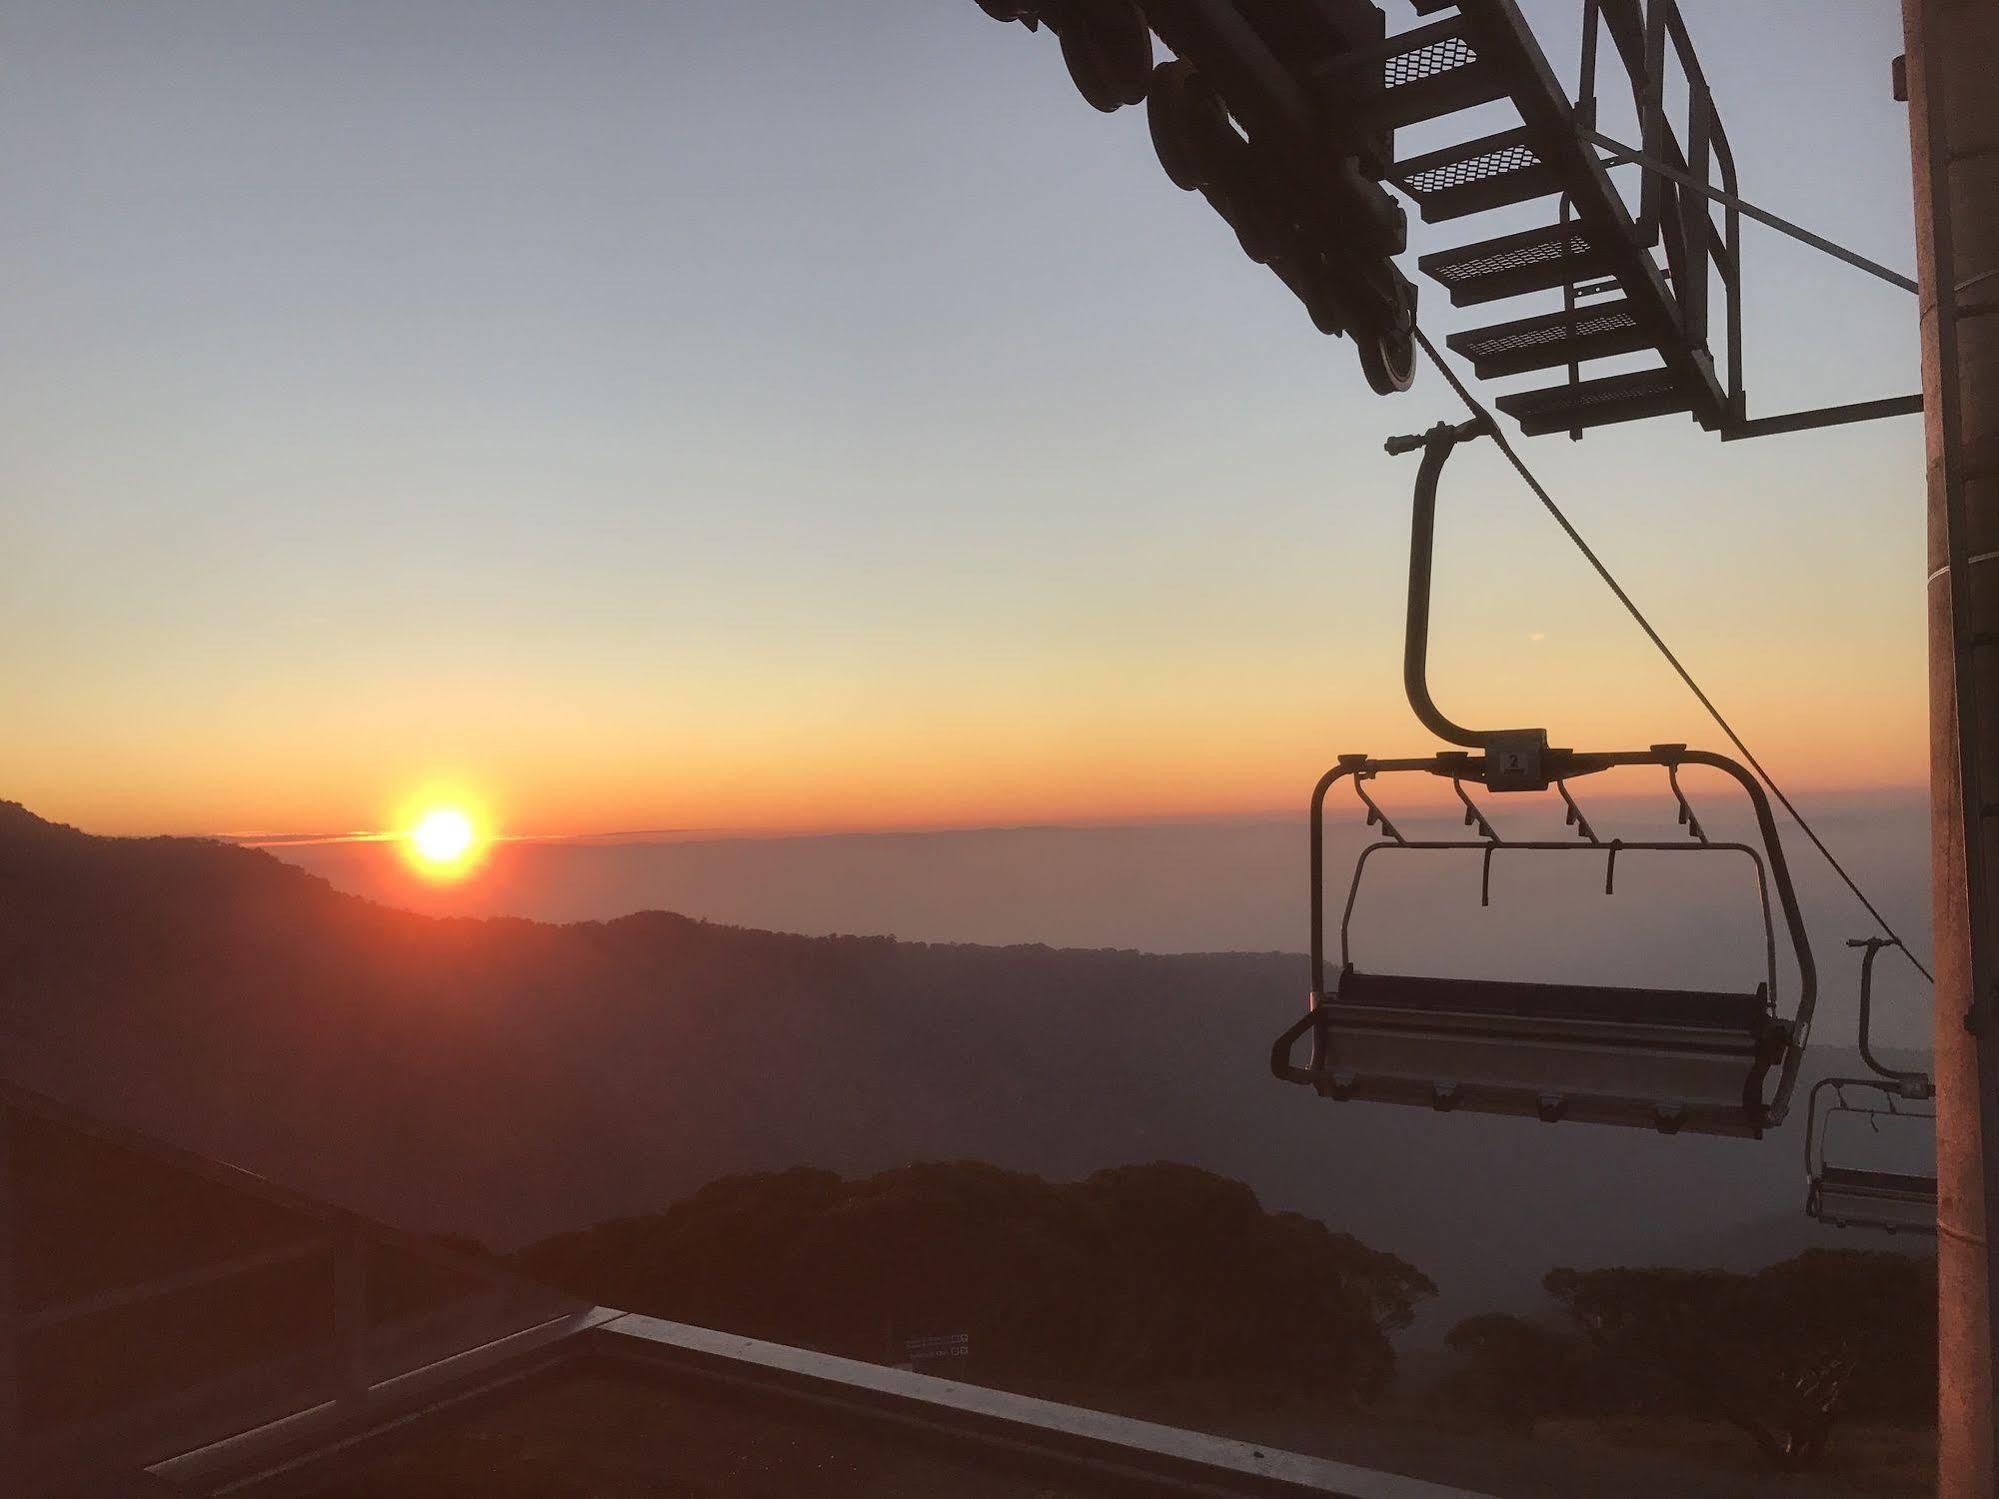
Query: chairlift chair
x=1650, y=1056
x=1850, y=1196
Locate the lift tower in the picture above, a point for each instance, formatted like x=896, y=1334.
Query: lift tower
x=1954, y=133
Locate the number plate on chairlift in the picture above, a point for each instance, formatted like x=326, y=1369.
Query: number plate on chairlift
x=1515, y=760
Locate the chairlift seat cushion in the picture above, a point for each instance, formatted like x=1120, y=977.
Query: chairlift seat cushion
x=1600, y=1004
x=1660, y=1059
x=1843, y=1197
x=1895, y=1183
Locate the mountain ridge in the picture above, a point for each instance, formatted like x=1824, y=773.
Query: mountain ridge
x=512, y=1079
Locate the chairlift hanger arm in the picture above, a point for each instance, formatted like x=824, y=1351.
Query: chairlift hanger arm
x=1818, y=1121
x=1437, y=445
x=1912, y=1084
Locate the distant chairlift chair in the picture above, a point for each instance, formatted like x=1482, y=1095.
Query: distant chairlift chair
x=1849, y=1197
x=1652, y=1057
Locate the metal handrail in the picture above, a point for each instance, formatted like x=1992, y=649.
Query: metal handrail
x=1642, y=34
x=1437, y=446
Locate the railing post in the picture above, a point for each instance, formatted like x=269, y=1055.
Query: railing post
x=1586, y=118
x=1696, y=217
x=1652, y=124
x=1586, y=68
x=1738, y=398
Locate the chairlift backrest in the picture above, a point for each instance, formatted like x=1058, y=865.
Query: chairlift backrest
x=1853, y=1196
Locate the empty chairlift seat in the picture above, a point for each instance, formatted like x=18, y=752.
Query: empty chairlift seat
x=1891, y=1200
x=1668, y=1059
x=1880, y=1195
x=1664, y=1058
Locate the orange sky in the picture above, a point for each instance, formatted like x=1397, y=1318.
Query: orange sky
x=448, y=458
x=1211, y=680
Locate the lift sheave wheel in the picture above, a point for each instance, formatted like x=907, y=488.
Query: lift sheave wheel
x=1273, y=112
x=1180, y=112
x=1108, y=48
x=1849, y=1196
x=1388, y=360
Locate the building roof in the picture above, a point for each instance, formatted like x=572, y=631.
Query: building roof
x=171, y=1324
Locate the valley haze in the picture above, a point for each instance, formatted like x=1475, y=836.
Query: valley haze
x=510, y=1079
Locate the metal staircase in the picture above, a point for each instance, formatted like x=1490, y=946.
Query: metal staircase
x=1283, y=115
x=1633, y=279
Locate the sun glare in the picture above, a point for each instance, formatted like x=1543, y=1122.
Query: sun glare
x=444, y=841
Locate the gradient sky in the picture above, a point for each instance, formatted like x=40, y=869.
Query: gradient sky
x=769, y=414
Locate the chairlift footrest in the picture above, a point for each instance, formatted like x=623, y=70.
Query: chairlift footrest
x=1890, y=1200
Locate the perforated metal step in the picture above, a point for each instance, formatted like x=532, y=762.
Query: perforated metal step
x=1514, y=263
x=1490, y=172
x=1596, y=403
x=1426, y=72
x=1595, y=330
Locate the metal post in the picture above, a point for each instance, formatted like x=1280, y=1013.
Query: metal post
x=1954, y=136
x=1652, y=120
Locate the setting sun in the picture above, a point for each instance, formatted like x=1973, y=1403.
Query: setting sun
x=444, y=841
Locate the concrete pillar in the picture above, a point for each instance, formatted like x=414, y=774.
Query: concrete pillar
x=1953, y=53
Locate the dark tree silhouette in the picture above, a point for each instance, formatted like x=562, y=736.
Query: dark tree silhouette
x=1513, y=1370
x=1782, y=1354
x=1135, y=1275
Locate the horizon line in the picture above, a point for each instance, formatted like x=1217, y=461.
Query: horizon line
x=618, y=837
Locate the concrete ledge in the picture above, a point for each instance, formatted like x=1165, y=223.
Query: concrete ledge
x=1177, y=1458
